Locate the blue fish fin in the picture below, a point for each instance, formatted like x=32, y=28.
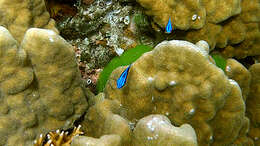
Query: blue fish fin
x=169, y=26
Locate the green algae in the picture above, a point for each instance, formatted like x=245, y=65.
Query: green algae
x=220, y=61
x=126, y=58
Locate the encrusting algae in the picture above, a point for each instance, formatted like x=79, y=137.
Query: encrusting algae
x=58, y=138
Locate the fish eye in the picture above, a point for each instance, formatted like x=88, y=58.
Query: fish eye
x=89, y=81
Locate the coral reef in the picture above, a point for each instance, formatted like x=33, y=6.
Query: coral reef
x=181, y=12
x=205, y=92
x=253, y=104
x=190, y=14
x=18, y=16
x=238, y=36
x=177, y=79
x=40, y=90
x=105, y=116
x=234, y=29
x=155, y=130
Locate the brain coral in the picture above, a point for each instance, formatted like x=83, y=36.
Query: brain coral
x=40, y=86
x=178, y=80
x=19, y=15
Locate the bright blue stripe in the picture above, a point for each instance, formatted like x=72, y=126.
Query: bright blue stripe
x=169, y=26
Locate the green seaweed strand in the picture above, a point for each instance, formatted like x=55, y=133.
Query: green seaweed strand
x=220, y=61
x=126, y=58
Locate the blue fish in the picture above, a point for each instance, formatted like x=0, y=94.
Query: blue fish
x=169, y=26
x=122, y=79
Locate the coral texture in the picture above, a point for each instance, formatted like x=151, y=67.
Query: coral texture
x=178, y=80
x=40, y=86
x=231, y=25
x=19, y=15
x=190, y=14
x=253, y=104
x=104, y=118
x=105, y=140
x=228, y=8
x=239, y=36
x=156, y=130
x=233, y=32
x=240, y=74
x=180, y=12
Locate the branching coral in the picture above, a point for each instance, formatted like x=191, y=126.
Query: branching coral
x=58, y=138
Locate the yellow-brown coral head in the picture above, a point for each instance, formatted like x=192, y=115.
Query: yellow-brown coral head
x=184, y=14
x=177, y=79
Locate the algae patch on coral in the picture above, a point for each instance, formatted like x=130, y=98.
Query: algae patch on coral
x=126, y=58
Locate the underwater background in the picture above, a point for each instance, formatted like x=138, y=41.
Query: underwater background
x=129, y=72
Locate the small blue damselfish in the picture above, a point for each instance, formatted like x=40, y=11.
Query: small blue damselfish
x=169, y=26
x=122, y=79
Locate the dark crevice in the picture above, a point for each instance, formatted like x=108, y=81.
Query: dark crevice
x=60, y=9
x=80, y=119
x=247, y=62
